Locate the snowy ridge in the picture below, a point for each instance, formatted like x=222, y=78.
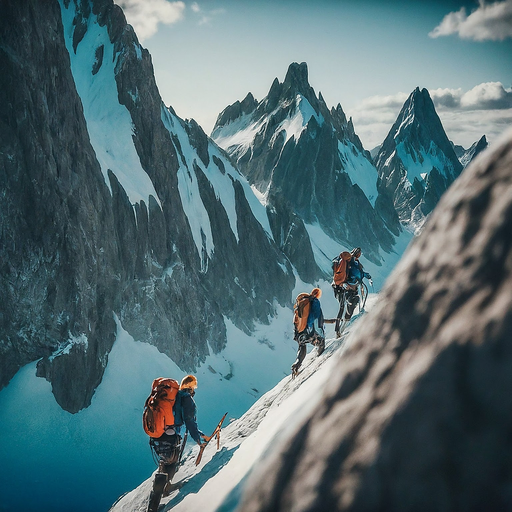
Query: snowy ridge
x=359, y=169
x=219, y=478
x=114, y=148
x=238, y=134
x=220, y=180
x=419, y=164
x=294, y=125
x=241, y=132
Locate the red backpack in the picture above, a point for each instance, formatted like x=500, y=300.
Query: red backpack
x=158, y=412
x=339, y=268
x=301, y=311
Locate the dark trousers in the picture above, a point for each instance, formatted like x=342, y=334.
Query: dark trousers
x=348, y=300
x=167, y=448
x=301, y=354
x=352, y=300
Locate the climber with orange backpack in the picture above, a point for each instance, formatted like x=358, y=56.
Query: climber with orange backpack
x=348, y=274
x=306, y=312
x=169, y=406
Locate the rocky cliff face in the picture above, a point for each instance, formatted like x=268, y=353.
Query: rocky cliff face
x=299, y=153
x=59, y=263
x=418, y=415
x=416, y=162
x=111, y=205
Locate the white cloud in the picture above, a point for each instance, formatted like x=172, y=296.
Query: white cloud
x=485, y=96
x=145, y=15
x=491, y=21
x=205, y=17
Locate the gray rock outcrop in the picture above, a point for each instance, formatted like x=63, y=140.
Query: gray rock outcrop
x=418, y=414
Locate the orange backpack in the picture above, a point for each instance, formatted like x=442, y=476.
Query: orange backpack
x=301, y=311
x=339, y=268
x=158, y=412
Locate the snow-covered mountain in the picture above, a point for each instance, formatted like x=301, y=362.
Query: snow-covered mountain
x=466, y=156
x=417, y=162
x=124, y=229
x=132, y=247
x=411, y=410
x=310, y=168
x=113, y=204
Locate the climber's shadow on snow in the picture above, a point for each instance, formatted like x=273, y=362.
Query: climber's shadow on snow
x=192, y=486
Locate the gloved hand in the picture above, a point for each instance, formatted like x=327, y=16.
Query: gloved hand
x=370, y=281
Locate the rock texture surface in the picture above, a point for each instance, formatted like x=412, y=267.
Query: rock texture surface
x=419, y=413
x=59, y=264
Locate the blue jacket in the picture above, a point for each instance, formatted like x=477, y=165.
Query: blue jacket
x=356, y=272
x=315, y=313
x=185, y=413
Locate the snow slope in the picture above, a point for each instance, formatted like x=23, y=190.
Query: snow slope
x=216, y=484
x=114, y=147
x=105, y=442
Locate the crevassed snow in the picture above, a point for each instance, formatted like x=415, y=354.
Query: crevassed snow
x=109, y=123
x=432, y=157
x=360, y=171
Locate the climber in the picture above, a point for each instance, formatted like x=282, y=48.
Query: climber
x=307, y=311
x=347, y=288
x=167, y=409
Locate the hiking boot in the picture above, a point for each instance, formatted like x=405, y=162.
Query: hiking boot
x=321, y=346
x=156, y=493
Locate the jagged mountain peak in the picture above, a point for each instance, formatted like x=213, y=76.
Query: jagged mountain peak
x=236, y=110
x=418, y=109
x=418, y=125
x=297, y=75
x=296, y=83
x=467, y=156
x=308, y=160
x=416, y=162
x=338, y=114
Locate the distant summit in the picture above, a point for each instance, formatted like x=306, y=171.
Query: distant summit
x=469, y=155
x=310, y=167
x=416, y=162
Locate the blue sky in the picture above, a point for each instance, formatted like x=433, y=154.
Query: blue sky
x=366, y=55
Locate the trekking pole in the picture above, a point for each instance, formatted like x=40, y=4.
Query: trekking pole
x=365, y=294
